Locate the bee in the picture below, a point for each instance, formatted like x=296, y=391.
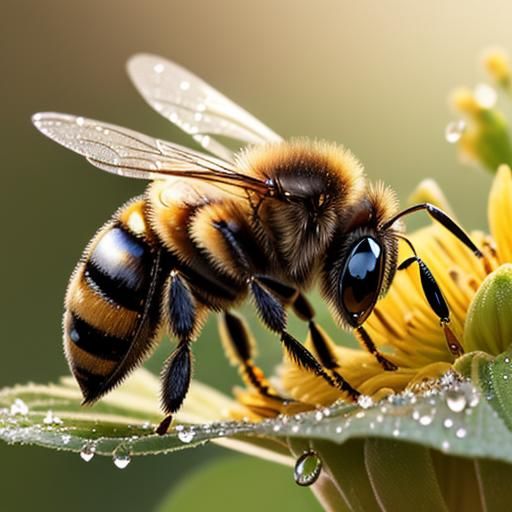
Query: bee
x=267, y=222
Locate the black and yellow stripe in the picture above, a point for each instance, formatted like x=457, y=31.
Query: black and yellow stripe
x=112, y=304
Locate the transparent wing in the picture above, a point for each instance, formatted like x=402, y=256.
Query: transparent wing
x=194, y=106
x=128, y=153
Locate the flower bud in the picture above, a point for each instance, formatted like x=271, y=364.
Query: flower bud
x=488, y=325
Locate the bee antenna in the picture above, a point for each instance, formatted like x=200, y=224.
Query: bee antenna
x=441, y=217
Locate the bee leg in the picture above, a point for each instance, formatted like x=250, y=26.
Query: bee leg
x=181, y=312
x=273, y=314
x=176, y=381
x=324, y=348
x=436, y=300
x=369, y=344
x=239, y=346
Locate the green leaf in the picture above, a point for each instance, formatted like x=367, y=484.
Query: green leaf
x=402, y=474
x=125, y=420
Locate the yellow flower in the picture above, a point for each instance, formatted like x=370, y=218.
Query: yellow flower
x=497, y=65
x=403, y=325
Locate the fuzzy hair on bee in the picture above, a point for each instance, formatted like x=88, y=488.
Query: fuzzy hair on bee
x=265, y=224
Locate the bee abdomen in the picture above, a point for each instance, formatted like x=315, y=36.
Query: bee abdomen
x=95, y=342
x=112, y=304
x=117, y=268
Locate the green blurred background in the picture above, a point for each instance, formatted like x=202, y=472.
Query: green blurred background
x=372, y=75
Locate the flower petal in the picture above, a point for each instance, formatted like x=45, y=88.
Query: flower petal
x=500, y=212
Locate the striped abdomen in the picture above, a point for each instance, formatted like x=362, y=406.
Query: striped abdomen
x=112, y=303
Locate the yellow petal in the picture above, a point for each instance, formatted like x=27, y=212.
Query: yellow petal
x=500, y=212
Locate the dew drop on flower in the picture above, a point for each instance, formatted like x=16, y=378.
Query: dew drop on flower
x=18, y=407
x=87, y=452
x=445, y=446
x=307, y=468
x=454, y=131
x=186, y=436
x=319, y=415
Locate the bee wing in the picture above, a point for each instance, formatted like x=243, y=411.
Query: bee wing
x=128, y=153
x=194, y=106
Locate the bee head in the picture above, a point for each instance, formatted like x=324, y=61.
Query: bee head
x=361, y=260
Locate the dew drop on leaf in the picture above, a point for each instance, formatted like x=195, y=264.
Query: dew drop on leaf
x=461, y=433
x=364, y=401
x=186, y=436
x=19, y=407
x=425, y=420
x=121, y=458
x=456, y=400
x=307, y=468
x=87, y=452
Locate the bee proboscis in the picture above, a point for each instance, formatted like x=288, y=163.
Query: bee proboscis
x=268, y=221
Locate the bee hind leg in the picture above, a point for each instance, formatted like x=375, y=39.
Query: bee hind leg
x=182, y=318
x=175, y=383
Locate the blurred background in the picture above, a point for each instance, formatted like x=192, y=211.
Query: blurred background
x=374, y=76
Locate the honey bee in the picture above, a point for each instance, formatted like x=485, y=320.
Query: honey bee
x=268, y=221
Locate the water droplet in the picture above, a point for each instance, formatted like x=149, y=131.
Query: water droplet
x=18, y=407
x=454, y=131
x=445, y=446
x=364, y=401
x=456, y=400
x=461, y=433
x=307, y=468
x=186, y=436
x=159, y=68
x=448, y=423
x=485, y=95
x=416, y=415
x=184, y=85
x=87, y=452
x=80, y=121
x=121, y=457
x=319, y=415
x=295, y=429
x=425, y=420
x=66, y=438
x=396, y=432
x=51, y=419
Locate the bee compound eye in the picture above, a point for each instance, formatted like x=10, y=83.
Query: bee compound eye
x=361, y=280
